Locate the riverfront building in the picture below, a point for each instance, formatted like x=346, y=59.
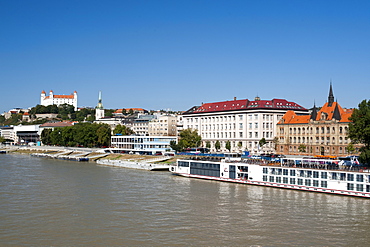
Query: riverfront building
x=242, y=122
x=53, y=99
x=323, y=132
x=141, y=144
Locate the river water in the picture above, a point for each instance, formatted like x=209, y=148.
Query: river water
x=45, y=202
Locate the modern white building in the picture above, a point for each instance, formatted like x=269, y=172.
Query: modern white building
x=7, y=132
x=54, y=99
x=25, y=134
x=242, y=122
x=141, y=144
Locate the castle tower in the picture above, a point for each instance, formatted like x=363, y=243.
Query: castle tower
x=99, y=109
x=42, y=97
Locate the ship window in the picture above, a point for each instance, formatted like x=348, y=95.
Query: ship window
x=292, y=181
x=285, y=172
x=300, y=181
x=334, y=175
x=272, y=179
x=272, y=170
x=265, y=170
x=359, y=187
x=350, y=177
x=315, y=183
x=307, y=182
x=301, y=173
x=367, y=188
x=324, y=184
x=278, y=171
x=359, y=178
x=308, y=174
x=324, y=175
x=342, y=176
x=350, y=186
x=285, y=180
x=264, y=178
x=183, y=163
x=292, y=172
x=316, y=174
x=278, y=179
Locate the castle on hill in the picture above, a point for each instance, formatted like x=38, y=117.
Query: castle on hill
x=54, y=99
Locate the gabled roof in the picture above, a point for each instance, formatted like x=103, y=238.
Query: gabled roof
x=247, y=104
x=290, y=117
x=335, y=111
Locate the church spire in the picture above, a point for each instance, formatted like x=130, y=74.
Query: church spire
x=100, y=104
x=331, y=95
x=314, y=112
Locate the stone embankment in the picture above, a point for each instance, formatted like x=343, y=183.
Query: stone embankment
x=99, y=156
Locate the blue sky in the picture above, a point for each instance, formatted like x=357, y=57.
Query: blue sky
x=179, y=53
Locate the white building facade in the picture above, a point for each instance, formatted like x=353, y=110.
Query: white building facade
x=163, y=126
x=141, y=144
x=241, y=122
x=53, y=99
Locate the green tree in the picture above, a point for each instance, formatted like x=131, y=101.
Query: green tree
x=2, y=139
x=359, y=130
x=217, y=145
x=208, y=144
x=228, y=145
x=302, y=148
x=103, y=135
x=123, y=130
x=350, y=148
x=45, y=136
x=240, y=145
x=189, y=138
x=130, y=112
x=262, y=142
x=175, y=146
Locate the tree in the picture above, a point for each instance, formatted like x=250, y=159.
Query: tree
x=302, y=148
x=217, y=145
x=350, y=148
x=2, y=139
x=208, y=144
x=45, y=136
x=240, y=145
x=262, y=142
x=175, y=146
x=228, y=145
x=130, y=112
x=359, y=130
x=123, y=130
x=189, y=139
x=103, y=135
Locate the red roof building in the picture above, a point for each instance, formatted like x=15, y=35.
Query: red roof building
x=241, y=122
x=323, y=132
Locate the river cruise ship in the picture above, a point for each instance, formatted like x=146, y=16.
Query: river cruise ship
x=307, y=174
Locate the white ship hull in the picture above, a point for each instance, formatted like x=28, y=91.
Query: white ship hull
x=338, y=181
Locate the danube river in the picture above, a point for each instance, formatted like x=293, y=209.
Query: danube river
x=45, y=202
